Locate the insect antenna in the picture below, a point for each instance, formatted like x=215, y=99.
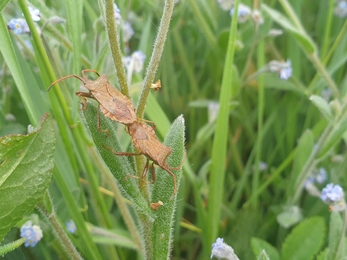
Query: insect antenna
x=63, y=78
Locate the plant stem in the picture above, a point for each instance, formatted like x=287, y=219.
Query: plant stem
x=156, y=55
x=111, y=29
x=59, y=232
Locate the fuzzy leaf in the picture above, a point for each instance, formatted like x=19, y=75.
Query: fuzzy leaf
x=305, y=240
x=118, y=237
x=163, y=191
x=300, y=36
x=26, y=164
x=335, y=228
x=259, y=245
x=289, y=217
x=323, y=107
x=263, y=256
x=120, y=166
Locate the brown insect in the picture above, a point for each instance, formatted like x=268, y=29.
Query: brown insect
x=146, y=141
x=112, y=103
x=117, y=107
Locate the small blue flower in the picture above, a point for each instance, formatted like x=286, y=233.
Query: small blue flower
x=283, y=69
x=341, y=9
x=135, y=62
x=286, y=71
x=243, y=13
x=117, y=14
x=18, y=26
x=222, y=250
x=33, y=233
x=322, y=175
x=128, y=31
x=139, y=59
x=71, y=226
x=35, y=14
x=309, y=181
x=332, y=194
x=212, y=109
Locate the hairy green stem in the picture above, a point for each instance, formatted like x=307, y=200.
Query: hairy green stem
x=113, y=39
x=59, y=232
x=156, y=55
x=4, y=249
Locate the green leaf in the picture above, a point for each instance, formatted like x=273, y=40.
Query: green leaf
x=302, y=154
x=323, y=107
x=163, y=191
x=322, y=255
x=334, y=136
x=13, y=64
x=305, y=241
x=120, y=166
x=289, y=217
x=220, y=140
x=3, y=3
x=258, y=245
x=335, y=237
x=119, y=238
x=263, y=256
x=26, y=164
x=299, y=35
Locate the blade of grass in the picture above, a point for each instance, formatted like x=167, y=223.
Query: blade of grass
x=12, y=62
x=219, y=148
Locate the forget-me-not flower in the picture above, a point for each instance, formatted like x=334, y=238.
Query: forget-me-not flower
x=35, y=14
x=222, y=250
x=135, y=61
x=18, y=26
x=283, y=69
x=332, y=194
x=341, y=9
x=322, y=175
x=243, y=13
x=33, y=233
x=128, y=31
x=117, y=14
x=71, y=226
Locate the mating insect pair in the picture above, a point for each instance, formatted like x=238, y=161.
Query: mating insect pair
x=117, y=107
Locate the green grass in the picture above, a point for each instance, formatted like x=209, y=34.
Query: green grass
x=201, y=56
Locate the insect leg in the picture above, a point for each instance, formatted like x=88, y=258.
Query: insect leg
x=99, y=125
x=83, y=96
x=153, y=173
x=121, y=153
x=154, y=126
x=145, y=170
x=173, y=176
